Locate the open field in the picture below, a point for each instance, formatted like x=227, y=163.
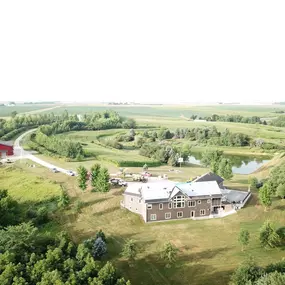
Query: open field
x=6, y=111
x=208, y=249
x=176, y=111
x=25, y=186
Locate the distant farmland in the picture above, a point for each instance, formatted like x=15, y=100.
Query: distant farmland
x=176, y=111
x=6, y=111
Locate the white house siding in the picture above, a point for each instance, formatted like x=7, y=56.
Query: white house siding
x=133, y=204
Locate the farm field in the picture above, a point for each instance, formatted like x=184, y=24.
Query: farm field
x=175, y=111
x=208, y=249
x=6, y=111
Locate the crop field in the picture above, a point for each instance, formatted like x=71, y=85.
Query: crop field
x=175, y=111
x=208, y=249
x=5, y=111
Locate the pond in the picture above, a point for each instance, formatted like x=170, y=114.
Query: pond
x=241, y=164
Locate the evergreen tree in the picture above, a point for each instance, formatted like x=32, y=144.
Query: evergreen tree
x=82, y=177
x=243, y=238
x=264, y=196
x=169, y=254
x=268, y=236
x=95, y=169
x=102, y=184
x=99, y=248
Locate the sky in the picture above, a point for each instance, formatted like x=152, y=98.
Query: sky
x=142, y=51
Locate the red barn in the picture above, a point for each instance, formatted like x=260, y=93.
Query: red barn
x=6, y=149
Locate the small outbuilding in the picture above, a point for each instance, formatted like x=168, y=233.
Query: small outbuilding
x=6, y=149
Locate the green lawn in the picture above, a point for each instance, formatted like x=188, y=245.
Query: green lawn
x=208, y=249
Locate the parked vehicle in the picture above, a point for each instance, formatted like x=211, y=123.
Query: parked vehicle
x=118, y=181
x=54, y=170
x=70, y=173
x=140, y=178
x=123, y=183
x=145, y=173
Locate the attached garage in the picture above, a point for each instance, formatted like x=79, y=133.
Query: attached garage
x=6, y=149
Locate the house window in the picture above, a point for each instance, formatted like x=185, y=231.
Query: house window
x=132, y=199
x=149, y=206
x=199, y=201
x=179, y=214
x=140, y=200
x=191, y=203
x=160, y=206
x=136, y=209
x=179, y=202
x=153, y=217
x=202, y=212
x=169, y=205
x=130, y=207
x=167, y=216
x=208, y=201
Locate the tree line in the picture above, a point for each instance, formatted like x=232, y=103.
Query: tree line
x=208, y=135
x=231, y=118
x=64, y=122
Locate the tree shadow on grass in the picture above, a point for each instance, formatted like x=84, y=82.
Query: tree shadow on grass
x=280, y=207
x=95, y=201
x=206, y=254
x=153, y=270
x=107, y=211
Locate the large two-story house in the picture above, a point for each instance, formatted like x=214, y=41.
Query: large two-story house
x=167, y=200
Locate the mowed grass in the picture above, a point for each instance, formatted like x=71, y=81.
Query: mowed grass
x=208, y=249
x=25, y=186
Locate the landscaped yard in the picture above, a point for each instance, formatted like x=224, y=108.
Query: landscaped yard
x=208, y=249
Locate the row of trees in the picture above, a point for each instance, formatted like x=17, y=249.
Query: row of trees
x=59, y=146
x=231, y=118
x=98, y=178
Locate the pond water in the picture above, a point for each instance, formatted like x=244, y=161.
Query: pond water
x=241, y=164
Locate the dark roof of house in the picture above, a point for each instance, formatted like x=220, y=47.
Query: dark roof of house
x=209, y=177
x=8, y=143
